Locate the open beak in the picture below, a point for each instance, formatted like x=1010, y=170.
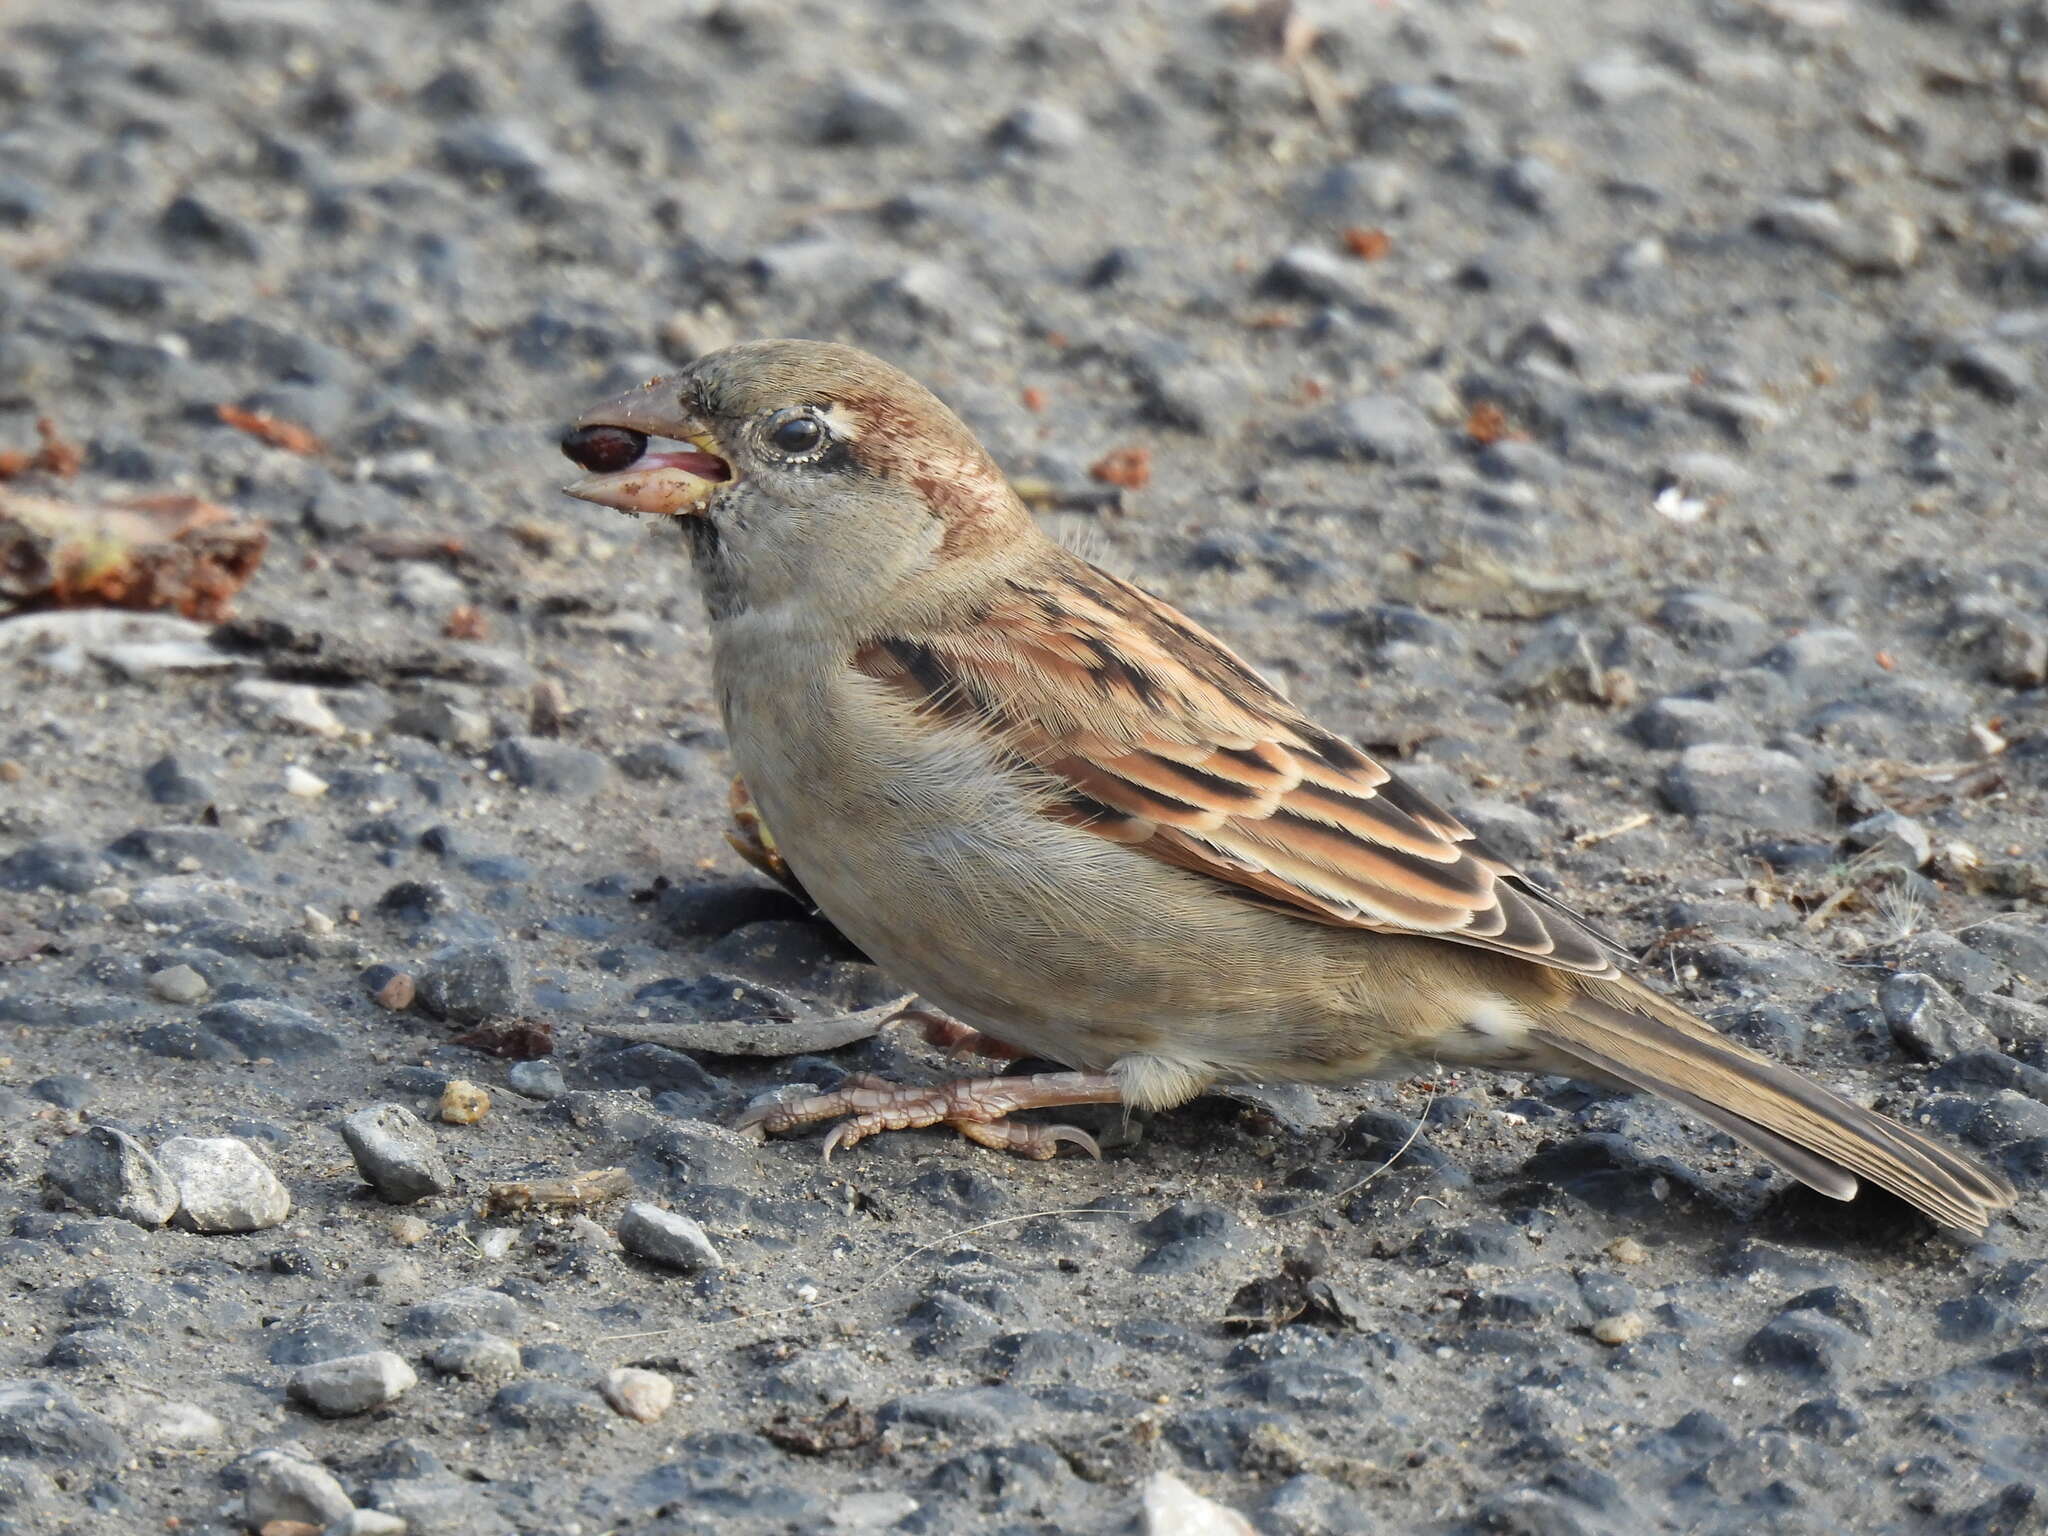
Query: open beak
x=632, y=474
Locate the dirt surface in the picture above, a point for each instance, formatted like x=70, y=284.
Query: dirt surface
x=1627, y=417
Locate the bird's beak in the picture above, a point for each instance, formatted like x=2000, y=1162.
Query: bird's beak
x=669, y=480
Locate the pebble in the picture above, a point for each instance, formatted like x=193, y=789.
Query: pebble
x=463, y=1102
x=293, y=706
x=480, y=1356
x=1753, y=786
x=470, y=982
x=178, y=984
x=536, y=1079
x=639, y=1394
x=281, y=1486
x=446, y=722
x=1380, y=428
x=352, y=1383
x=1622, y=1328
x=408, y=1231
x=1927, y=1023
x=110, y=1173
x=666, y=1238
x=1897, y=839
x=397, y=1154
x=866, y=113
x=223, y=1186
x=1169, y=1507
x=551, y=767
x=368, y=1522
x=302, y=784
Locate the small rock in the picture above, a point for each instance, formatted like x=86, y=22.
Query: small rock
x=284, y=1487
x=1804, y=1343
x=294, y=706
x=536, y=1079
x=444, y=721
x=174, y=780
x=353, y=1383
x=1994, y=369
x=408, y=1231
x=396, y=1154
x=1172, y=1508
x=1900, y=839
x=180, y=1426
x=1382, y=428
x=1926, y=1022
x=223, y=1186
x=368, y=1522
x=1041, y=128
x=40, y=1421
x=666, y=1238
x=480, y=1356
x=110, y=1173
x=864, y=112
x=463, y=1102
x=303, y=785
x=178, y=984
x=395, y=991
x=550, y=767
x=1756, y=787
x=470, y=982
x=1626, y=1250
x=1623, y=1328
x=638, y=1394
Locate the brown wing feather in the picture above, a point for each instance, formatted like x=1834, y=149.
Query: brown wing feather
x=1156, y=736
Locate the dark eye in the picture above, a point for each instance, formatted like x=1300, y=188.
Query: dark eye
x=796, y=436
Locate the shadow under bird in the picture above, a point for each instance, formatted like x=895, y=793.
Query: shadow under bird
x=1071, y=818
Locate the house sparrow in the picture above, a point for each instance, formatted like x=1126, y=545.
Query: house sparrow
x=1074, y=820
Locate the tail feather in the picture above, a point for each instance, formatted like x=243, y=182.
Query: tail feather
x=1814, y=1134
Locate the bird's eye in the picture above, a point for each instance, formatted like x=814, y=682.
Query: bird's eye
x=797, y=435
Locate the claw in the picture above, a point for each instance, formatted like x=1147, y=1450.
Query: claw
x=976, y=1107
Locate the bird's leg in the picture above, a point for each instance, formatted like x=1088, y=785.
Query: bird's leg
x=953, y=1037
x=753, y=840
x=976, y=1107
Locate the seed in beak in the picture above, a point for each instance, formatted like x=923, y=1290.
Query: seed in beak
x=604, y=450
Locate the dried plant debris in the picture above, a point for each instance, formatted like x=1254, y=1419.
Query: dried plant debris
x=790, y=1032
x=55, y=456
x=572, y=1192
x=274, y=430
x=174, y=553
x=842, y=1427
x=1298, y=1293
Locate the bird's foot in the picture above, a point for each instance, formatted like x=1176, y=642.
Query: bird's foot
x=976, y=1107
x=753, y=841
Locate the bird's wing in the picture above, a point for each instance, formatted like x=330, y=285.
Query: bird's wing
x=1152, y=734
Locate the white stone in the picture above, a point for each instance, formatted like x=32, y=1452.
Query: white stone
x=303, y=783
x=286, y=1487
x=638, y=1394
x=296, y=706
x=223, y=1186
x=876, y=1510
x=1172, y=1508
x=179, y=1425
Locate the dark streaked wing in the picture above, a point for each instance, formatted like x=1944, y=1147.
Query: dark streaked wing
x=1156, y=736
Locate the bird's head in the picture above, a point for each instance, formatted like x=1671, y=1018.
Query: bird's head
x=802, y=471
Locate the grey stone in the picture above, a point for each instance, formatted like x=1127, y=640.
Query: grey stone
x=1354, y=192
x=1041, y=128
x=42, y=1422
x=1322, y=277
x=551, y=767
x=1381, y=428
x=1994, y=369
x=666, y=1238
x=445, y=721
x=283, y=1486
x=1805, y=1343
x=866, y=113
x=178, y=984
x=397, y=1154
x=1771, y=791
x=352, y=1384
x=470, y=982
x=175, y=780
x=110, y=1173
x=265, y=1029
x=223, y=1186
x=536, y=1079
x=978, y=1411
x=472, y=1309
x=1898, y=839
x=53, y=866
x=481, y=1356
x=1676, y=722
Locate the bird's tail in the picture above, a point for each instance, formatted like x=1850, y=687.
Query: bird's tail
x=1816, y=1135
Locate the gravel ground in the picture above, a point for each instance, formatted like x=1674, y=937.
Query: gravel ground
x=1617, y=413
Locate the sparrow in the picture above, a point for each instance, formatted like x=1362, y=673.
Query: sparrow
x=1077, y=823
